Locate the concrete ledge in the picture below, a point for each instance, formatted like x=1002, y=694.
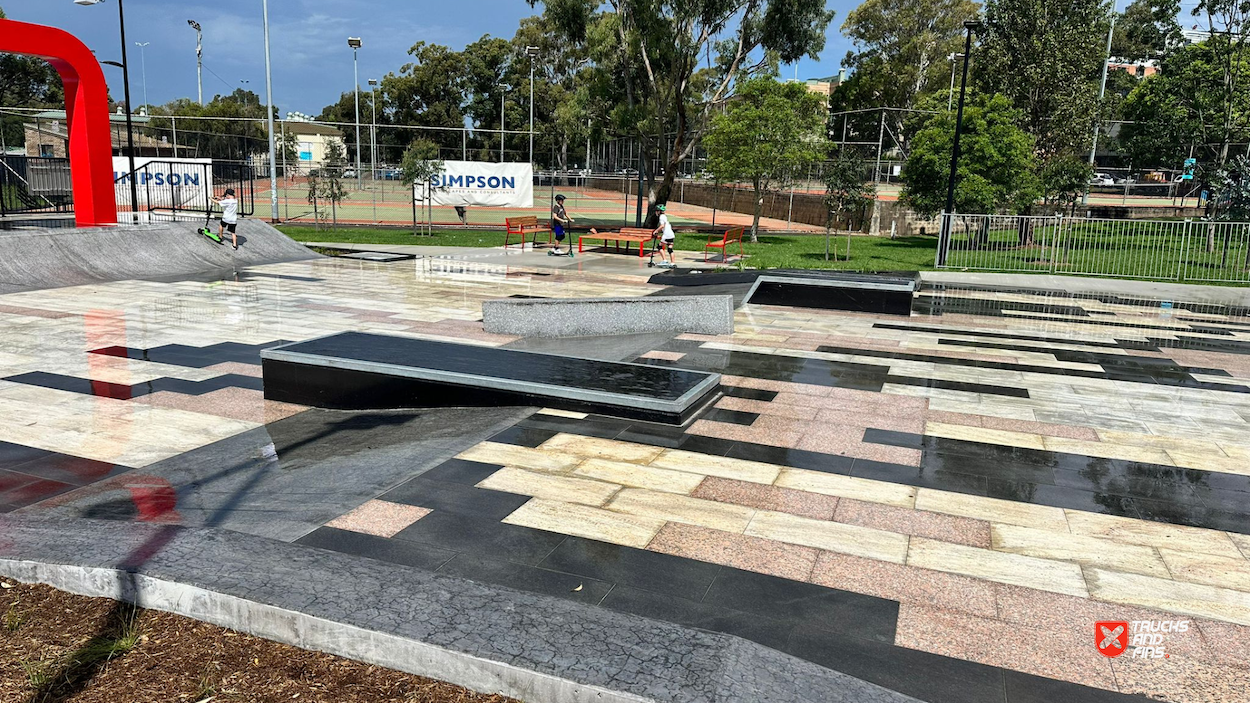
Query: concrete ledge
x=486, y=638
x=601, y=317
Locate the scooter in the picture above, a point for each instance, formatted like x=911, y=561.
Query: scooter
x=207, y=231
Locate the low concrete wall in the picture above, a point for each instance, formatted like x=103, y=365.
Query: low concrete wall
x=599, y=317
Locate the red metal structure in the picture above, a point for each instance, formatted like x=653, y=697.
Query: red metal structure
x=86, y=114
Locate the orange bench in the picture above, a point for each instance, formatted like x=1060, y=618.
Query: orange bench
x=731, y=236
x=642, y=235
x=524, y=226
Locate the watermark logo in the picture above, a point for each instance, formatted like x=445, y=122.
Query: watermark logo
x=1144, y=639
x=1111, y=637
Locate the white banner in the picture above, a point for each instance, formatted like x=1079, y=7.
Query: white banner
x=480, y=184
x=183, y=184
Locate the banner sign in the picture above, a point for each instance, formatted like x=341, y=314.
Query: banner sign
x=165, y=182
x=480, y=184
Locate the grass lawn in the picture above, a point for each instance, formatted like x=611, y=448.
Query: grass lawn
x=807, y=252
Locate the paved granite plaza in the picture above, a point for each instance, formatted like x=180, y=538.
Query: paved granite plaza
x=943, y=505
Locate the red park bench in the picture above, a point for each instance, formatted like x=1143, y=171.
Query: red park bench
x=731, y=236
x=641, y=235
x=523, y=226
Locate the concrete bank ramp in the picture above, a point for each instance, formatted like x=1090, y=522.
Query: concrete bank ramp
x=54, y=258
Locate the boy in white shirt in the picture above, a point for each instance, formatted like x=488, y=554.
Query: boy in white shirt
x=229, y=216
x=665, y=232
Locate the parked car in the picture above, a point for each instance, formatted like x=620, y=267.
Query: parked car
x=1102, y=179
x=392, y=174
x=349, y=173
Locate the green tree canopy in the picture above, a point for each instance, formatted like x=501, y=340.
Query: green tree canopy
x=769, y=132
x=26, y=81
x=1145, y=30
x=666, y=67
x=229, y=127
x=1046, y=57
x=996, y=167
x=901, y=51
x=1186, y=104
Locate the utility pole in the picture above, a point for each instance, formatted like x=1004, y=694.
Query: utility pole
x=273, y=157
x=1102, y=93
x=948, y=219
x=199, y=59
x=355, y=44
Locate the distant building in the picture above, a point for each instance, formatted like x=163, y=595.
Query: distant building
x=312, y=140
x=1141, y=69
x=47, y=135
x=825, y=86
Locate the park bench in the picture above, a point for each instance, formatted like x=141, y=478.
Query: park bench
x=731, y=236
x=523, y=226
x=641, y=235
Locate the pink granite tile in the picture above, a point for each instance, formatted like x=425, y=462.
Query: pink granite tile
x=663, y=355
x=756, y=433
x=235, y=367
x=907, y=584
x=761, y=407
x=754, y=495
x=951, y=418
x=764, y=556
x=379, y=517
x=34, y=312
x=833, y=442
x=236, y=403
x=1178, y=678
x=1040, y=651
x=1226, y=643
x=947, y=528
x=875, y=416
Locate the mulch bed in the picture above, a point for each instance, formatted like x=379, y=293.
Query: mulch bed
x=55, y=646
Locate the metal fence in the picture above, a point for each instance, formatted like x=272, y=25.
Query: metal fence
x=178, y=190
x=34, y=184
x=1177, y=250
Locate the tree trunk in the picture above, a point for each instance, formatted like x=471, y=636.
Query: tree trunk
x=759, y=206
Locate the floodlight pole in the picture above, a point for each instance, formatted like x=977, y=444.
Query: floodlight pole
x=143, y=64
x=130, y=128
x=533, y=52
x=373, y=132
x=503, y=93
x=273, y=158
x=1102, y=94
x=199, y=59
x=354, y=43
x=947, y=221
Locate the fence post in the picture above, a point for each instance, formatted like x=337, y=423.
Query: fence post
x=1055, y=243
x=1180, y=260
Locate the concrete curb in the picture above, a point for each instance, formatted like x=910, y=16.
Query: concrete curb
x=312, y=633
x=488, y=638
x=601, y=317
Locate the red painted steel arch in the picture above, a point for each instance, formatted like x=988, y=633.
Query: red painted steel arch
x=86, y=114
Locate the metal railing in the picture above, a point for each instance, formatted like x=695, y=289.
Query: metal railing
x=182, y=190
x=1177, y=250
x=34, y=184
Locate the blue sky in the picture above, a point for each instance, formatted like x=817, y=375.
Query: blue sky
x=311, y=60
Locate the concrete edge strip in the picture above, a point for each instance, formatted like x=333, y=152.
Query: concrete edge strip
x=313, y=633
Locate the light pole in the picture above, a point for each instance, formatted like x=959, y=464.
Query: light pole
x=532, y=52
x=503, y=93
x=948, y=220
x=143, y=67
x=273, y=159
x=355, y=44
x=130, y=128
x=199, y=59
x=1102, y=94
x=950, y=102
x=373, y=131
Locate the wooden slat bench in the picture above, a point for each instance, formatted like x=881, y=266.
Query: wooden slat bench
x=641, y=235
x=523, y=226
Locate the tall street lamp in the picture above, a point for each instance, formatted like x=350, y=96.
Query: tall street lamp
x=130, y=128
x=373, y=131
x=532, y=52
x=947, y=221
x=273, y=159
x=503, y=93
x=143, y=66
x=355, y=44
x=199, y=59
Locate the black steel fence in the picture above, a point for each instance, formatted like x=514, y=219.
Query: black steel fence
x=32, y=184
